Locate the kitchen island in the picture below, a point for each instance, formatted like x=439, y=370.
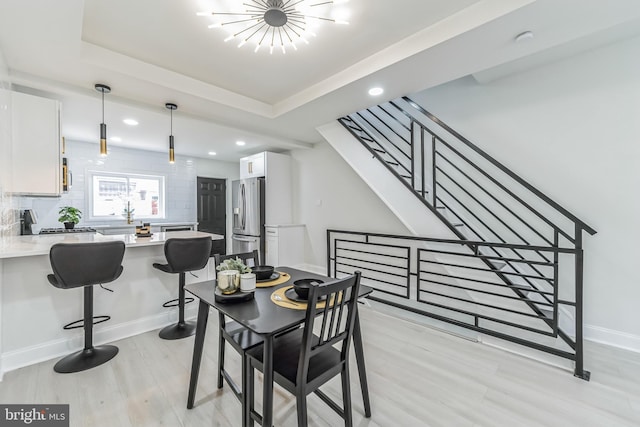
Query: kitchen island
x=32, y=311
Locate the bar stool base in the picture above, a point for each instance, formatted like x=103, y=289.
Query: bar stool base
x=85, y=359
x=178, y=331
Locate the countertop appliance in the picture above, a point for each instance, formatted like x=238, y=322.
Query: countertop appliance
x=27, y=219
x=67, y=230
x=247, y=201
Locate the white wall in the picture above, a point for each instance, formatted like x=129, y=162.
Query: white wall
x=572, y=129
x=327, y=193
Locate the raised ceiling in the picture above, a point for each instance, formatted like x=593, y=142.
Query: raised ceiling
x=156, y=51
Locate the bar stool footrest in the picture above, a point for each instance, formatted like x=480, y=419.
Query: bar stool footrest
x=80, y=323
x=176, y=302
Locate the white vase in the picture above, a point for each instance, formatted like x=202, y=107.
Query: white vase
x=247, y=282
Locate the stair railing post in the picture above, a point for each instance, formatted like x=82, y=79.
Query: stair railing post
x=423, y=175
x=433, y=168
x=579, y=277
x=413, y=156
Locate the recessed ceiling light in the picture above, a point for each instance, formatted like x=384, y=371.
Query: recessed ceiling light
x=375, y=91
x=240, y=143
x=212, y=153
x=115, y=139
x=130, y=122
x=522, y=37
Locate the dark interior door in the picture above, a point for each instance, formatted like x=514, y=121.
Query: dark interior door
x=212, y=210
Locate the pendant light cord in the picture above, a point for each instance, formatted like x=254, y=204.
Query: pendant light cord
x=102, y=105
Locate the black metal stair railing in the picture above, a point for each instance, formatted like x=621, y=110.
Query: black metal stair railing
x=481, y=200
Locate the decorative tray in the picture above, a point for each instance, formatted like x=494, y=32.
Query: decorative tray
x=234, y=297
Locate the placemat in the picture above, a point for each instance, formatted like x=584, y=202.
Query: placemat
x=279, y=298
x=284, y=278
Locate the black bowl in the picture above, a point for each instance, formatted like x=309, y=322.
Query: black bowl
x=262, y=272
x=302, y=286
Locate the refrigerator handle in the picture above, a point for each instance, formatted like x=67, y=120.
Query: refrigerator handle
x=244, y=206
x=244, y=239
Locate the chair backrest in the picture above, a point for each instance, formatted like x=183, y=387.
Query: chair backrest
x=250, y=259
x=333, y=323
x=188, y=254
x=83, y=264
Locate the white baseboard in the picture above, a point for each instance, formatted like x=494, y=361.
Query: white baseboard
x=61, y=347
x=613, y=338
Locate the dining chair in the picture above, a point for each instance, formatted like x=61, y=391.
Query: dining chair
x=239, y=337
x=304, y=361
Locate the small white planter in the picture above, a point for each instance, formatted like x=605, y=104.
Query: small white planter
x=247, y=282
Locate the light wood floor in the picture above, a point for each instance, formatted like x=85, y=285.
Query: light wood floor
x=418, y=377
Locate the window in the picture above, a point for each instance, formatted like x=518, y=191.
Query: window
x=112, y=193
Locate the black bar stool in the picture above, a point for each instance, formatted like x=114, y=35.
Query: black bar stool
x=189, y=254
x=86, y=265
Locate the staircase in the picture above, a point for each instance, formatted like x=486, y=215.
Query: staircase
x=509, y=263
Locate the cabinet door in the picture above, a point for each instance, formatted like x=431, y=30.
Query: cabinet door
x=271, y=247
x=35, y=155
x=252, y=166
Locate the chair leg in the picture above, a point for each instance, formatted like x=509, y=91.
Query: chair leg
x=301, y=405
x=346, y=397
x=250, y=392
x=221, y=344
x=246, y=375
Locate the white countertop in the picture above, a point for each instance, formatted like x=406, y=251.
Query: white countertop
x=40, y=244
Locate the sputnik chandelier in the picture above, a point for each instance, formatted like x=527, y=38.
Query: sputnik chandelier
x=274, y=23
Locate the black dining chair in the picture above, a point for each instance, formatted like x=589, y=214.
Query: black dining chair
x=183, y=255
x=239, y=337
x=84, y=265
x=303, y=361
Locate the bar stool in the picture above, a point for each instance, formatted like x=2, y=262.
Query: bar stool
x=183, y=255
x=86, y=265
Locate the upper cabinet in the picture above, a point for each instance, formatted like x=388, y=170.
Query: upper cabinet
x=253, y=166
x=35, y=146
x=276, y=168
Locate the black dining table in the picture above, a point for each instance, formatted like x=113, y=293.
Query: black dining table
x=264, y=317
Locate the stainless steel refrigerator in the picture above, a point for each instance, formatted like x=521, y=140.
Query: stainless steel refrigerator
x=247, y=201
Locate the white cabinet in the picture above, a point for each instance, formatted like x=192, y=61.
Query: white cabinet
x=252, y=166
x=35, y=148
x=276, y=168
x=284, y=245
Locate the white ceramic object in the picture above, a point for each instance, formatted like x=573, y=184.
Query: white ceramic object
x=247, y=282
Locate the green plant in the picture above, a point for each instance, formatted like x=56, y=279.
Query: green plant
x=233, y=264
x=69, y=214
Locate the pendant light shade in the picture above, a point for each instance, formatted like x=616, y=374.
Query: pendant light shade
x=172, y=157
x=103, y=127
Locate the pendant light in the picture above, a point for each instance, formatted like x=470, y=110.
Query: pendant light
x=171, y=107
x=103, y=127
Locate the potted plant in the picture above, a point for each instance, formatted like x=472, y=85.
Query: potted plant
x=233, y=264
x=70, y=216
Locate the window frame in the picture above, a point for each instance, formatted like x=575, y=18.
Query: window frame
x=162, y=202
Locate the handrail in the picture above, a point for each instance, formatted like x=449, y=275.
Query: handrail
x=503, y=168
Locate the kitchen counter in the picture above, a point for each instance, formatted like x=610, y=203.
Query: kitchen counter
x=40, y=244
x=28, y=299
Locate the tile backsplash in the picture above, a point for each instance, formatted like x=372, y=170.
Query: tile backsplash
x=82, y=157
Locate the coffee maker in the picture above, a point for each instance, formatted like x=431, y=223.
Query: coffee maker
x=27, y=219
